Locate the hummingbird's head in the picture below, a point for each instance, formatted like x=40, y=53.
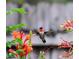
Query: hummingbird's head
x=41, y=29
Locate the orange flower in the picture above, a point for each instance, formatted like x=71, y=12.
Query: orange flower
x=17, y=34
x=27, y=48
x=28, y=37
x=21, y=54
x=14, y=34
x=17, y=46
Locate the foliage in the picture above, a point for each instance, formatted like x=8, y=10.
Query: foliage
x=16, y=1
x=11, y=28
x=16, y=10
x=42, y=55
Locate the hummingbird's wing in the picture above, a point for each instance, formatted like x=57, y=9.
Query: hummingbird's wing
x=50, y=33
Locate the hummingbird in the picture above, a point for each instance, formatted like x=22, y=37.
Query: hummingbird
x=41, y=33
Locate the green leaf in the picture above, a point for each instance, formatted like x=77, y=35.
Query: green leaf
x=9, y=12
x=23, y=57
x=19, y=51
x=29, y=56
x=11, y=55
x=16, y=10
x=13, y=42
x=19, y=41
x=14, y=27
x=41, y=55
x=30, y=33
x=8, y=44
x=69, y=30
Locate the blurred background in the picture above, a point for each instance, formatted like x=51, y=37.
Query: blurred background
x=49, y=14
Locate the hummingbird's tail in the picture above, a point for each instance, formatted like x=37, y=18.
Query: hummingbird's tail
x=42, y=37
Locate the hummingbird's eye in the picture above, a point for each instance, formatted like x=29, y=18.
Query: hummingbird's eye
x=41, y=27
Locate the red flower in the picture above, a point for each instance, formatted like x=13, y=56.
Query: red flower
x=28, y=37
x=65, y=44
x=68, y=25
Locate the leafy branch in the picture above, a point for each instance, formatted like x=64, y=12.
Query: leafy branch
x=14, y=27
x=16, y=10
